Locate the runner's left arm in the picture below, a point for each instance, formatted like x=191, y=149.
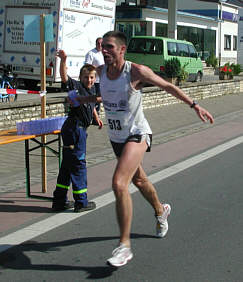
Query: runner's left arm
x=144, y=74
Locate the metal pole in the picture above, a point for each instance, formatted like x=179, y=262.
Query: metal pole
x=220, y=34
x=43, y=99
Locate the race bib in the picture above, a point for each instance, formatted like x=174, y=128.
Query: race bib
x=118, y=127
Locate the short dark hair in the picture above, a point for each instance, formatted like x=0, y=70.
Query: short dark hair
x=97, y=39
x=88, y=68
x=120, y=36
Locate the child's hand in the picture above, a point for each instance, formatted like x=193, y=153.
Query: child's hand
x=73, y=97
x=61, y=54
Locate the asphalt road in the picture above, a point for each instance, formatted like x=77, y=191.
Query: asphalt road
x=203, y=243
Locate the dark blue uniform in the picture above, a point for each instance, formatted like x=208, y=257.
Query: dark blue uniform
x=73, y=168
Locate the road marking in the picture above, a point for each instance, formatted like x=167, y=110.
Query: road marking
x=59, y=219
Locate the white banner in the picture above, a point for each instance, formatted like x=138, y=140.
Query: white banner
x=81, y=30
x=98, y=7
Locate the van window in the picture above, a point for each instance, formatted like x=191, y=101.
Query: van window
x=136, y=45
x=183, y=50
x=148, y=46
x=172, y=49
x=192, y=51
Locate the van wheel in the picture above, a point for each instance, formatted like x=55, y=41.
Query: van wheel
x=198, y=77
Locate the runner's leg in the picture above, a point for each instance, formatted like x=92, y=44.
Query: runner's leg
x=127, y=165
x=140, y=180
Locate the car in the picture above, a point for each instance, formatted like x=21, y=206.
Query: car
x=154, y=51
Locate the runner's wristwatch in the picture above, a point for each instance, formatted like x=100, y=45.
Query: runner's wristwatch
x=194, y=103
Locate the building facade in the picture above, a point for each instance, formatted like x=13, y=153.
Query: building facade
x=240, y=38
x=226, y=13
x=211, y=26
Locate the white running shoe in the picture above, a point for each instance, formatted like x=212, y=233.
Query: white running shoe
x=120, y=256
x=162, y=223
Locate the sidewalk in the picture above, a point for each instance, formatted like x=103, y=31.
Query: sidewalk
x=168, y=123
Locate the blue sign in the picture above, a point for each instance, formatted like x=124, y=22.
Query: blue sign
x=32, y=28
x=48, y=23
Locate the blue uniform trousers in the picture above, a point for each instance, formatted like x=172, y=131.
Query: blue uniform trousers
x=73, y=168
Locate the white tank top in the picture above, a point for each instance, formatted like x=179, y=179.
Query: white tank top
x=123, y=106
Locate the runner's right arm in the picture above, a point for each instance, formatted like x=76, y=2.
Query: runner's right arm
x=141, y=73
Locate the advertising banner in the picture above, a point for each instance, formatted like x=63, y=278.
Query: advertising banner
x=101, y=7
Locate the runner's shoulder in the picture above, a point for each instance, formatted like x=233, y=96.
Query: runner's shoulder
x=140, y=70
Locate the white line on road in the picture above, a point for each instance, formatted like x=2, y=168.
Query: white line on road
x=59, y=219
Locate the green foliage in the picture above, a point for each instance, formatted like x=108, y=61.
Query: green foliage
x=236, y=69
x=183, y=75
x=172, y=68
x=211, y=61
x=207, y=61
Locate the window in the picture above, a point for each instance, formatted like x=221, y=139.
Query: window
x=148, y=46
x=171, y=47
x=227, y=42
x=234, y=43
x=204, y=40
x=136, y=46
x=154, y=46
x=183, y=50
x=132, y=28
x=192, y=51
x=161, y=29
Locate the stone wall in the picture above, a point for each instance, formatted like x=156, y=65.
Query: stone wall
x=153, y=97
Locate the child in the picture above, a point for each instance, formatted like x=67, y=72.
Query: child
x=73, y=168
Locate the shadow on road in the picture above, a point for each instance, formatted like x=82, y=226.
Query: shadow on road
x=10, y=207
x=16, y=258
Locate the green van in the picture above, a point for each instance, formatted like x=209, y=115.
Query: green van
x=153, y=51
